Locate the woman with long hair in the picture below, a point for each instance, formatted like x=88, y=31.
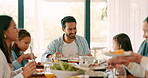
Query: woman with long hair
x=8, y=34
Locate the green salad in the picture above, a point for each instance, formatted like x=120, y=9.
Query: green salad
x=64, y=66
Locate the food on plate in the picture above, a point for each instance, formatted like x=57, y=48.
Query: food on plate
x=39, y=71
x=39, y=65
x=121, y=51
x=73, y=61
x=93, y=65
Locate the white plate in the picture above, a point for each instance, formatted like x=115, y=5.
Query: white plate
x=81, y=67
x=99, y=67
x=96, y=74
x=112, y=54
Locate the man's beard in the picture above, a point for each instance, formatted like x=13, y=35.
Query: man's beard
x=71, y=37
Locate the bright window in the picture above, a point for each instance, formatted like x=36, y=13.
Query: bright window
x=43, y=21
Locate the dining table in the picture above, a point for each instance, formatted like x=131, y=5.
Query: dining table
x=42, y=76
x=39, y=76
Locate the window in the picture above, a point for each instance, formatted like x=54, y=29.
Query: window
x=9, y=7
x=43, y=21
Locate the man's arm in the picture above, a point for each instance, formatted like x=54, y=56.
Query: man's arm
x=51, y=49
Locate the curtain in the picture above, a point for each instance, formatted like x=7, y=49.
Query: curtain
x=127, y=16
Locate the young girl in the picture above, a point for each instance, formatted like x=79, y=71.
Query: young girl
x=122, y=41
x=8, y=34
x=21, y=45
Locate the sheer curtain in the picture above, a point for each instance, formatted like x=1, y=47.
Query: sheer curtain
x=127, y=16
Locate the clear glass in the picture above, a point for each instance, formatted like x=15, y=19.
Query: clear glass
x=47, y=70
x=120, y=71
x=110, y=71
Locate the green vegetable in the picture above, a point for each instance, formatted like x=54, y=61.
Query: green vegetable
x=64, y=66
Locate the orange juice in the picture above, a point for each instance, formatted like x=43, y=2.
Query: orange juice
x=55, y=61
x=49, y=75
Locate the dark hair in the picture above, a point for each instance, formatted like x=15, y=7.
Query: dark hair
x=123, y=40
x=4, y=25
x=146, y=19
x=22, y=33
x=67, y=19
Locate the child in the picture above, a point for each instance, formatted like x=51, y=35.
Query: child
x=122, y=41
x=21, y=45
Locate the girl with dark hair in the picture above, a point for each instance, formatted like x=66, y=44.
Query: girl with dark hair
x=8, y=34
x=122, y=41
x=19, y=47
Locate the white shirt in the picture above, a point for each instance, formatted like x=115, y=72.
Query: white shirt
x=70, y=50
x=139, y=70
x=5, y=70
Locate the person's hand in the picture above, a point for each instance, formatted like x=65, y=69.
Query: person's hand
x=58, y=54
x=29, y=69
x=135, y=57
x=28, y=56
x=89, y=54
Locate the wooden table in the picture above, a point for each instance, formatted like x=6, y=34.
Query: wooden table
x=128, y=76
x=38, y=76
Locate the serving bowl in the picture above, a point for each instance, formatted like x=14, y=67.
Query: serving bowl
x=63, y=74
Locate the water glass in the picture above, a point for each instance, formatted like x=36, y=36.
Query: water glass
x=120, y=71
x=47, y=70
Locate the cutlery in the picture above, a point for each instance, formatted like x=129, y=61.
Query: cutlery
x=32, y=56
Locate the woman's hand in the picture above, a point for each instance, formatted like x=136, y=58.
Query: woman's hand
x=29, y=69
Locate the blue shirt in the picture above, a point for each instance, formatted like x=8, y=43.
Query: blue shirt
x=56, y=45
x=143, y=50
x=15, y=63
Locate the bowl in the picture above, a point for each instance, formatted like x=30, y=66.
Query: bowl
x=63, y=74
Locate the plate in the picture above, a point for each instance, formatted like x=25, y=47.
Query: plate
x=81, y=67
x=99, y=68
x=39, y=66
x=63, y=59
x=38, y=72
x=112, y=54
x=96, y=74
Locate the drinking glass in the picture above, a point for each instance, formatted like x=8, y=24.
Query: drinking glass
x=110, y=71
x=47, y=70
x=120, y=71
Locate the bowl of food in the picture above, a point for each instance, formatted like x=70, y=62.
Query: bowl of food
x=63, y=74
x=64, y=69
